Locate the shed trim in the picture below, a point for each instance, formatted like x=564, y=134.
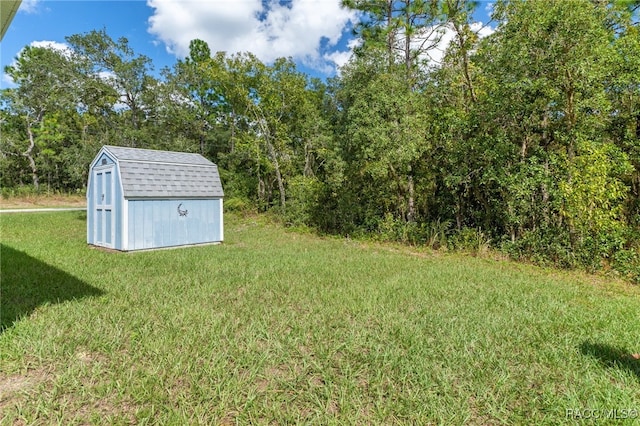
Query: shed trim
x=166, y=163
x=169, y=198
x=125, y=224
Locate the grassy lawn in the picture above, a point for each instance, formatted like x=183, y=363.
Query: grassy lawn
x=277, y=327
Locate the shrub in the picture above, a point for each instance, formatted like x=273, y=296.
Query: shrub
x=470, y=239
x=23, y=191
x=543, y=246
x=237, y=204
x=303, y=195
x=627, y=263
x=436, y=233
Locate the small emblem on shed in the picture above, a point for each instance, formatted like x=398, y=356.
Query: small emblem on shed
x=182, y=212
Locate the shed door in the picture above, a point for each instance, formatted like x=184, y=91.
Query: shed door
x=104, y=222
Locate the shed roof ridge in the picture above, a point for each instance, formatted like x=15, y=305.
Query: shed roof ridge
x=150, y=149
x=155, y=151
x=173, y=163
x=156, y=156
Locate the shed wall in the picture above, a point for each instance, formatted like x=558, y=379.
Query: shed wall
x=158, y=223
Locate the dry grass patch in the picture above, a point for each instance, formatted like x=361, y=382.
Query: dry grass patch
x=43, y=201
x=16, y=389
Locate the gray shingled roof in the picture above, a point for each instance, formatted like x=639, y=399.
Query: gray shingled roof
x=147, y=173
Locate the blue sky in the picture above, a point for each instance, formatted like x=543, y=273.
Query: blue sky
x=315, y=33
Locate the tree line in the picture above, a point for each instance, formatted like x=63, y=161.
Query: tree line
x=526, y=140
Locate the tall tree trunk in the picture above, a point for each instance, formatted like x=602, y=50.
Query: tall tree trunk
x=407, y=43
x=570, y=113
x=308, y=170
x=458, y=210
x=271, y=151
x=261, y=186
x=232, y=138
x=29, y=155
x=411, y=213
x=276, y=166
x=463, y=42
x=523, y=148
x=391, y=33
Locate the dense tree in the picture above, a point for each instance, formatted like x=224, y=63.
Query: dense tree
x=547, y=67
x=127, y=73
x=200, y=108
x=527, y=139
x=45, y=85
x=382, y=138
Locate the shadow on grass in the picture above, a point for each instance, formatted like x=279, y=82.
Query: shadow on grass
x=28, y=283
x=612, y=357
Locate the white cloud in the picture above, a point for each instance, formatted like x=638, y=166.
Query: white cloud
x=7, y=82
x=29, y=6
x=53, y=45
x=489, y=7
x=300, y=29
x=340, y=58
x=432, y=41
x=483, y=30
x=446, y=35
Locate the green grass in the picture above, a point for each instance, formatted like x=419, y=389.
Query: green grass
x=277, y=327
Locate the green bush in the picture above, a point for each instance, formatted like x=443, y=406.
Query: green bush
x=391, y=228
x=553, y=247
x=303, y=195
x=627, y=263
x=594, y=250
x=544, y=246
x=237, y=204
x=21, y=191
x=471, y=240
x=436, y=233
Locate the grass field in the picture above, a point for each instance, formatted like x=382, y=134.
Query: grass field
x=278, y=327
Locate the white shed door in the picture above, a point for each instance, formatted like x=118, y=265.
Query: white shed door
x=104, y=231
